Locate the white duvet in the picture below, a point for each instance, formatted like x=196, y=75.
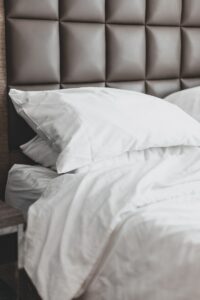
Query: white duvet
x=127, y=232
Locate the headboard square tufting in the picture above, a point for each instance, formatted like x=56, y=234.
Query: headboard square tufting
x=151, y=46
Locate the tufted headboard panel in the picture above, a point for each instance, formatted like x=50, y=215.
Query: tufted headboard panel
x=151, y=46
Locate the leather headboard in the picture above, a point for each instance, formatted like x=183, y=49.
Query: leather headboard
x=151, y=46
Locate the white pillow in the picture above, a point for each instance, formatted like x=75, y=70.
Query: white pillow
x=25, y=185
x=135, y=158
x=188, y=100
x=86, y=125
x=40, y=152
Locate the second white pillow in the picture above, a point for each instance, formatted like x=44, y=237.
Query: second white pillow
x=188, y=100
x=40, y=152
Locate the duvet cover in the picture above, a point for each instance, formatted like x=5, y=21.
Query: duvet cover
x=128, y=231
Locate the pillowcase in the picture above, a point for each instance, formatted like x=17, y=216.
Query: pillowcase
x=37, y=148
x=136, y=158
x=85, y=125
x=188, y=100
x=25, y=185
x=40, y=152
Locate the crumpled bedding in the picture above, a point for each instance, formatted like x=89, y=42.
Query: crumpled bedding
x=125, y=232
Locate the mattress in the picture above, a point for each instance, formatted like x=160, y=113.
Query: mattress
x=26, y=184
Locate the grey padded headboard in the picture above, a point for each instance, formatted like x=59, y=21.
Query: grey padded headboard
x=151, y=46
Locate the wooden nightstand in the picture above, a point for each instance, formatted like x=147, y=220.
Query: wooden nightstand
x=12, y=222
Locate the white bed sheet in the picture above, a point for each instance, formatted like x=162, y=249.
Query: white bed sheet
x=124, y=233
x=26, y=184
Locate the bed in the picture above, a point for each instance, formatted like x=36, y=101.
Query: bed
x=144, y=46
